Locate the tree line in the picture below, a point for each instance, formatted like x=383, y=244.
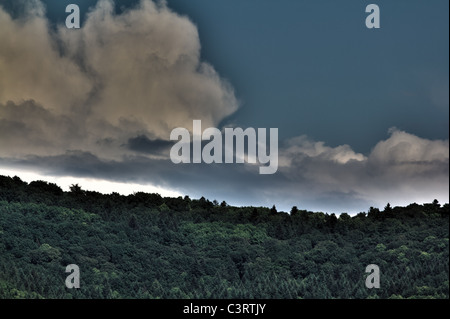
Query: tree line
x=147, y=246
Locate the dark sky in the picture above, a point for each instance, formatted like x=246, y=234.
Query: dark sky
x=324, y=72
x=362, y=113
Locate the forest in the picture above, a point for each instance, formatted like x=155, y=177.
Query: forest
x=144, y=246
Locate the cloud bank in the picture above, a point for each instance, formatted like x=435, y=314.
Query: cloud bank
x=100, y=102
x=400, y=169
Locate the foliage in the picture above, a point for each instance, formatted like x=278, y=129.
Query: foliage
x=146, y=246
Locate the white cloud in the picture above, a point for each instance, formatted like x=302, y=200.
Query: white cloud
x=302, y=146
x=406, y=149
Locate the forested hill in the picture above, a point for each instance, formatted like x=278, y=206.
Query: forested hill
x=146, y=246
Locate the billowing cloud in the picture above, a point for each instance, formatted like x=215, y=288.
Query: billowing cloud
x=406, y=149
x=31, y=66
x=302, y=146
x=146, y=66
x=119, y=77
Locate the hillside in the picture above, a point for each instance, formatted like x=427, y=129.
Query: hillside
x=146, y=246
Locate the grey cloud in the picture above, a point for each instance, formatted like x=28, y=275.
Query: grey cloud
x=147, y=63
x=222, y=182
x=119, y=76
x=400, y=168
x=31, y=67
x=302, y=146
x=145, y=145
x=313, y=181
x=29, y=128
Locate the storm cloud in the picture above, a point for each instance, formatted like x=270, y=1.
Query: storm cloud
x=119, y=77
x=319, y=179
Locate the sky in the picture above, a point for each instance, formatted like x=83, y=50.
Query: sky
x=362, y=114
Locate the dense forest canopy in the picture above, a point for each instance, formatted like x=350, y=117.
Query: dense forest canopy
x=147, y=246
